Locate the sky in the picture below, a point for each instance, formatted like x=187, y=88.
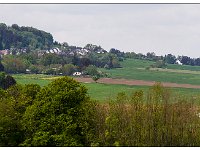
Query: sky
x=140, y=28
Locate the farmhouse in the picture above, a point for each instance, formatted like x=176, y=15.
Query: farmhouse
x=77, y=73
x=178, y=62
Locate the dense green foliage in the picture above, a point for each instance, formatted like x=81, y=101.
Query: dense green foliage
x=1, y=67
x=158, y=119
x=24, y=37
x=13, y=64
x=6, y=80
x=61, y=114
x=51, y=116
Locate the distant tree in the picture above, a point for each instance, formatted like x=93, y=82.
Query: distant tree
x=49, y=59
x=151, y=55
x=84, y=62
x=170, y=59
x=91, y=70
x=95, y=78
x=185, y=60
x=68, y=69
x=13, y=64
x=197, y=62
x=130, y=55
x=15, y=26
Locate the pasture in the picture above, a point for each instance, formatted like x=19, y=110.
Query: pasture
x=98, y=91
x=131, y=69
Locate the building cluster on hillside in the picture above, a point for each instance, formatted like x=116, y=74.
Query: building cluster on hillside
x=4, y=52
x=12, y=51
x=56, y=50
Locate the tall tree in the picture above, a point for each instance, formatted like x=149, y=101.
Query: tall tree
x=6, y=81
x=1, y=67
x=57, y=116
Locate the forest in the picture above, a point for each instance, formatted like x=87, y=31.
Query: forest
x=24, y=37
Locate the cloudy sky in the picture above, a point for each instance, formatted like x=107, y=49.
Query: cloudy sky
x=159, y=28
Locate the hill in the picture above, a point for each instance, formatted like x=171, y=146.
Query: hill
x=24, y=37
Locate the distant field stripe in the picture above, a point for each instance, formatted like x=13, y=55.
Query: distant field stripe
x=137, y=82
x=172, y=70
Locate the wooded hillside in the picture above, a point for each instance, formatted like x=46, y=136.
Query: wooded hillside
x=24, y=37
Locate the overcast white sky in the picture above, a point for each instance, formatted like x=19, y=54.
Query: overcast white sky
x=159, y=28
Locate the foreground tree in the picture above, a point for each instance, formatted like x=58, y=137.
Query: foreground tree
x=6, y=80
x=57, y=116
x=13, y=103
x=1, y=67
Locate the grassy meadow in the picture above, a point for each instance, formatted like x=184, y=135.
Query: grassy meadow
x=135, y=69
x=131, y=69
x=99, y=91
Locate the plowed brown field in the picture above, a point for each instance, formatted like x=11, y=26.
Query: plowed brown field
x=136, y=82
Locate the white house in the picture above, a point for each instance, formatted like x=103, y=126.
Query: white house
x=178, y=62
x=77, y=73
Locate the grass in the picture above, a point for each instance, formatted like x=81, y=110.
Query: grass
x=32, y=79
x=97, y=91
x=130, y=70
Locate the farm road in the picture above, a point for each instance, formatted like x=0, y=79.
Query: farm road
x=136, y=82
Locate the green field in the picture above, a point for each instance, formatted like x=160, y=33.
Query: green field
x=131, y=69
x=98, y=91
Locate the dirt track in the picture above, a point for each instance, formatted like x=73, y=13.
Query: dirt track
x=136, y=82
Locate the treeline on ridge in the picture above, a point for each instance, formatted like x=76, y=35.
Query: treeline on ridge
x=24, y=37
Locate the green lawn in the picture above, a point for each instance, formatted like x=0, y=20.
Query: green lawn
x=131, y=69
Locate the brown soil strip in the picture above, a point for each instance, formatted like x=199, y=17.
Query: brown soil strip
x=136, y=82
